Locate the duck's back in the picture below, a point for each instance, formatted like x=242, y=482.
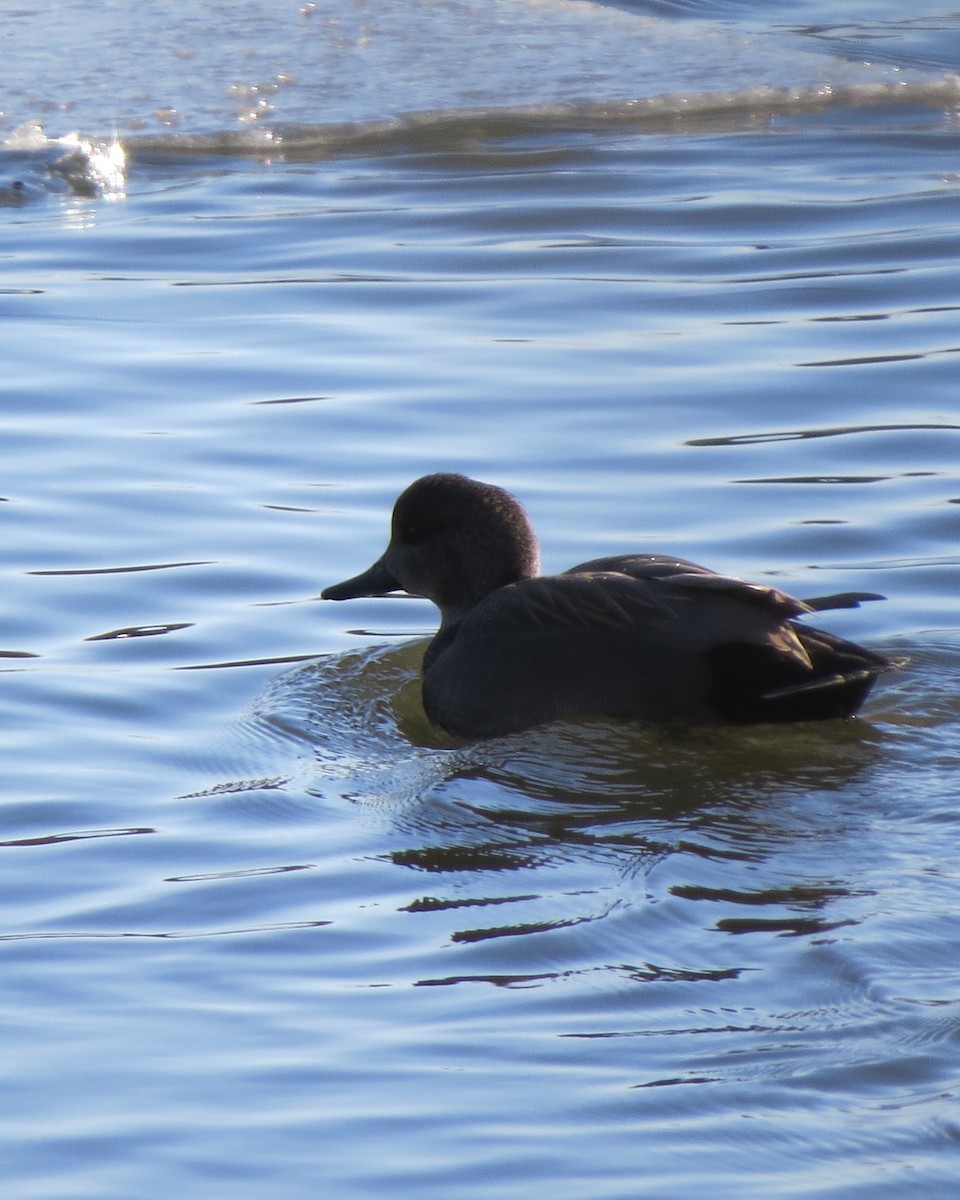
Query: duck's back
x=641, y=637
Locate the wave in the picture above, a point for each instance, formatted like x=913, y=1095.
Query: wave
x=36, y=165
x=687, y=112
x=254, y=78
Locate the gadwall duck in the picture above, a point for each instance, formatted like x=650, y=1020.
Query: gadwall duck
x=638, y=636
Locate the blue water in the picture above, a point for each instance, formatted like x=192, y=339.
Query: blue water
x=684, y=278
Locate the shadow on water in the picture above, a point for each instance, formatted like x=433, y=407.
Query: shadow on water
x=371, y=741
x=598, y=847
x=652, y=854
x=575, y=788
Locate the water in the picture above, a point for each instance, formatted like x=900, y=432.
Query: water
x=684, y=278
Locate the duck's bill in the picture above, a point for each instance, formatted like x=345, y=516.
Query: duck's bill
x=377, y=581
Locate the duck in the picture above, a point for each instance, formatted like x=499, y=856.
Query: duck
x=640, y=637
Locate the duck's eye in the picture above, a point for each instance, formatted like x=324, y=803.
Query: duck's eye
x=412, y=534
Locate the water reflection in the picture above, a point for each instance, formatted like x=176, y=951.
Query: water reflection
x=363, y=709
x=546, y=834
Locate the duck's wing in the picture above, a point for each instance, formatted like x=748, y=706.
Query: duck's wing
x=640, y=566
x=663, y=566
x=841, y=600
x=691, y=612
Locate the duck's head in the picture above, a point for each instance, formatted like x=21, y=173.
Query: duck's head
x=453, y=540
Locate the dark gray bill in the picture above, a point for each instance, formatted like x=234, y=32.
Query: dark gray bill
x=376, y=581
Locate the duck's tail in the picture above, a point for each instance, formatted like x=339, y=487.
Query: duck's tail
x=765, y=687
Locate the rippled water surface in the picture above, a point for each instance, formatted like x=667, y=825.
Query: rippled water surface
x=265, y=930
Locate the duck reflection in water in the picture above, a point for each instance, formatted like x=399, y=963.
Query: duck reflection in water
x=644, y=637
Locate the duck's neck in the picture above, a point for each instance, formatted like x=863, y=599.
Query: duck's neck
x=456, y=602
x=442, y=638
